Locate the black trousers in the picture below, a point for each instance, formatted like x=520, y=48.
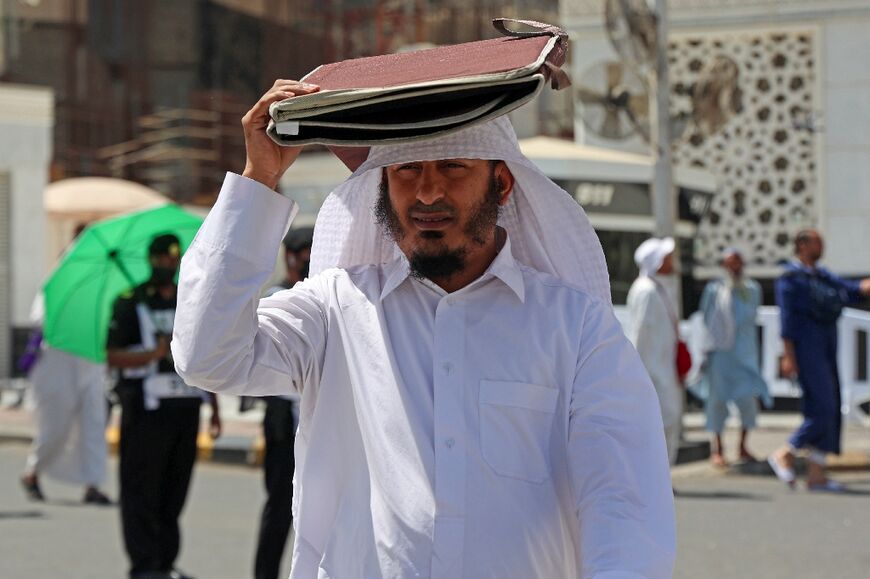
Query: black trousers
x=279, y=430
x=157, y=453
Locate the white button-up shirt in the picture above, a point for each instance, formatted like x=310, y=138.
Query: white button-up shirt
x=505, y=430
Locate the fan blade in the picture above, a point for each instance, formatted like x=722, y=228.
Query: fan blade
x=638, y=124
x=614, y=75
x=611, y=127
x=590, y=97
x=639, y=105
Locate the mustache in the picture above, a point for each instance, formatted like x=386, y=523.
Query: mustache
x=439, y=207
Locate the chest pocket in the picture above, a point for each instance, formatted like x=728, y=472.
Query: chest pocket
x=516, y=420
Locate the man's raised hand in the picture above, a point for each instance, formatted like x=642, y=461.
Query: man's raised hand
x=266, y=160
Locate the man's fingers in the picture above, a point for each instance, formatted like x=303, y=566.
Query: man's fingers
x=258, y=116
x=283, y=84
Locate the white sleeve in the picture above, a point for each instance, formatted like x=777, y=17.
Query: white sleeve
x=618, y=462
x=222, y=341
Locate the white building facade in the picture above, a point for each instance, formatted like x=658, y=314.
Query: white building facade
x=26, y=124
x=798, y=154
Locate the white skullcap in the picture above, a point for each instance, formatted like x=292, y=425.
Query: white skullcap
x=650, y=254
x=549, y=231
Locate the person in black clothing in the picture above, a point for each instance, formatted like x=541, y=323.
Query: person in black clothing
x=159, y=417
x=279, y=430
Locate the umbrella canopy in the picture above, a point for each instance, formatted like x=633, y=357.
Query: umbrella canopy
x=108, y=258
x=81, y=200
x=90, y=198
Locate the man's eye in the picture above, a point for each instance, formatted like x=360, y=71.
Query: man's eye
x=407, y=168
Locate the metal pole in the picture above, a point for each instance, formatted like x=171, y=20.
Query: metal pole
x=663, y=201
x=664, y=197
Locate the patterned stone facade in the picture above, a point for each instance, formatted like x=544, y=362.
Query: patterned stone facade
x=765, y=156
x=587, y=8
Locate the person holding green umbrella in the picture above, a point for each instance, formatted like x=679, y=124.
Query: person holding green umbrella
x=106, y=260
x=159, y=416
x=69, y=392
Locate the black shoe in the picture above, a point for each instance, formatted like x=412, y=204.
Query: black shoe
x=31, y=489
x=95, y=497
x=176, y=574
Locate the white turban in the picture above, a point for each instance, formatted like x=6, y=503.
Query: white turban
x=650, y=254
x=549, y=231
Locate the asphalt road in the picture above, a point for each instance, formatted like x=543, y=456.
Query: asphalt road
x=63, y=538
x=729, y=527
x=743, y=527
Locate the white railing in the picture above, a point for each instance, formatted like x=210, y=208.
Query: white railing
x=853, y=356
x=853, y=360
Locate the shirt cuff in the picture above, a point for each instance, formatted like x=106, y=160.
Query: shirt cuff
x=248, y=220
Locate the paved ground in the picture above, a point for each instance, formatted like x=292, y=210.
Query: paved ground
x=731, y=524
x=63, y=538
x=730, y=527
x=751, y=527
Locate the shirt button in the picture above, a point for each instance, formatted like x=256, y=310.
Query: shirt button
x=448, y=367
x=449, y=443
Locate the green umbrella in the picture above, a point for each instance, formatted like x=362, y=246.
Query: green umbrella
x=108, y=258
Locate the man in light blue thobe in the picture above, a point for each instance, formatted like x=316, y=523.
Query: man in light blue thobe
x=731, y=372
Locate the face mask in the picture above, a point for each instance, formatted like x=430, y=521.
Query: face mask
x=162, y=276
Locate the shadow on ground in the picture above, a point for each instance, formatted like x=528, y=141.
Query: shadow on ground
x=32, y=514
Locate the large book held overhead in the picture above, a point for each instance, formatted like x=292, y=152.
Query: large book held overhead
x=407, y=96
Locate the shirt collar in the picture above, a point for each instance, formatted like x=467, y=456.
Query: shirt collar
x=504, y=267
x=801, y=266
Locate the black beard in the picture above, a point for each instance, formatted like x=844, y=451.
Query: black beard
x=443, y=263
x=163, y=276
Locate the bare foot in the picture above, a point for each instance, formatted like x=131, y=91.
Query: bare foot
x=785, y=458
x=717, y=460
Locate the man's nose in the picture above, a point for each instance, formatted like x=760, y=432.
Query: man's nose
x=430, y=188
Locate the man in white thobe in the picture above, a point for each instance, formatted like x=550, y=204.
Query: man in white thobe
x=70, y=410
x=653, y=329
x=470, y=407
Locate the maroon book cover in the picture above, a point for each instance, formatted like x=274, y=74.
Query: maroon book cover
x=407, y=96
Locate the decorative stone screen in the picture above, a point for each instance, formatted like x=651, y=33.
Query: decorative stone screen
x=586, y=8
x=765, y=157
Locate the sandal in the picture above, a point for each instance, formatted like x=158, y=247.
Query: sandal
x=31, y=489
x=829, y=486
x=783, y=473
x=94, y=497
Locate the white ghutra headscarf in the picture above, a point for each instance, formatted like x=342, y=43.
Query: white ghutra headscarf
x=549, y=231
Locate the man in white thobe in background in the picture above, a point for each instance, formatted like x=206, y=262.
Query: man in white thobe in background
x=70, y=410
x=470, y=406
x=653, y=330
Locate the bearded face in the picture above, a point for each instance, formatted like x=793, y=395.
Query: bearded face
x=440, y=212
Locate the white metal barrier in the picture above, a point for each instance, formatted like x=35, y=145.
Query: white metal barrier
x=853, y=359
x=853, y=356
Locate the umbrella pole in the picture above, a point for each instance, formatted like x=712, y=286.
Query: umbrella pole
x=113, y=255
